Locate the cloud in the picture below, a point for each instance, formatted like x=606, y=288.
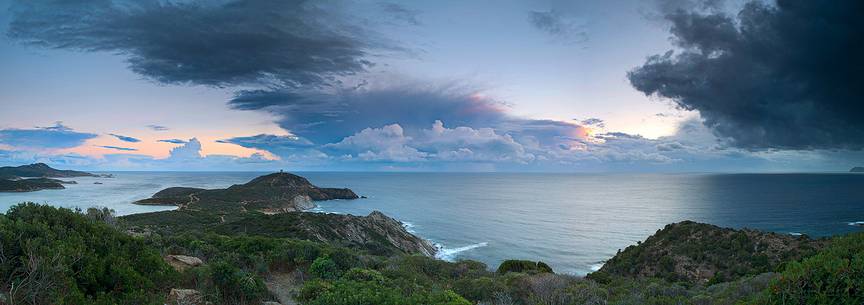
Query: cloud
x=279, y=145
x=783, y=76
x=125, y=138
x=329, y=116
x=563, y=28
x=400, y=13
x=51, y=137
x=387, y=143
x=157, y=127
x=220, y=43
x=469, y=144
x=173, y=141
x=189, y=151
x=118, y=148
x=594, y=122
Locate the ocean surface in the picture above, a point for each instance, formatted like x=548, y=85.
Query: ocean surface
x=572, y=221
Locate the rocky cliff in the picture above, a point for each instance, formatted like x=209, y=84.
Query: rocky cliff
x=702, y=253
x=376, y=232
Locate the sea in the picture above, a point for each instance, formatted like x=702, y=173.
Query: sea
x=573, y=222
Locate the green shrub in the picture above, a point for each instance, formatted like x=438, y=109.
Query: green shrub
x=833, y=276
x=523, y=266
x=57, y=256
x=237, y=286
x=324, y=268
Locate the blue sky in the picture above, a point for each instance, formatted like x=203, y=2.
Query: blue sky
x=416, y=85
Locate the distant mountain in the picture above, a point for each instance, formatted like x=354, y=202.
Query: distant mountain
x=39, y=170
x=857, y=169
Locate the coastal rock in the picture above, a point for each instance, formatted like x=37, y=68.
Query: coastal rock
x=703, y=253
x=183, y=262
x=185, y=297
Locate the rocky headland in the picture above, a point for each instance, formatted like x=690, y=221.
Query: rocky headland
x=40, y=170
x=36, y=177
x=272, y=206
x=31, y=185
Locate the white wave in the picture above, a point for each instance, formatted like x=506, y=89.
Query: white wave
x=857, y=223
x=597, y=266
x=795, y=233
x=408, y=227
x=449, y=254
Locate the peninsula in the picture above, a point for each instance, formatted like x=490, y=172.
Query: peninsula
x=37, y=177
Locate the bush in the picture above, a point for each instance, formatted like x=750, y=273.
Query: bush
x=57, y=256
x=237, y=286
x=324, y=268
x=523, y=266
x=833, y=276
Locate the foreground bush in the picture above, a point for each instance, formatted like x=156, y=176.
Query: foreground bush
x=54, y=255
x=833, y=276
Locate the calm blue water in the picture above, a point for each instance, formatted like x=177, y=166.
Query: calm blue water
x=572, y=221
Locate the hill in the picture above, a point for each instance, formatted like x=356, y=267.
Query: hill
x=273, y=193
x=272, y=205
x=39, y=170
x=702, y=253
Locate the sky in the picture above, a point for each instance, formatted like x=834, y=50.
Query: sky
x=564, y=86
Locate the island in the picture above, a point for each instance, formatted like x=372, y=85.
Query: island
x=857, y=169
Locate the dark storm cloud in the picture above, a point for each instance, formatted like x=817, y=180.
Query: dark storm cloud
x=328, y=117
x=282, y=43
x=173, y=141
x=51, y=137
x=125, y=138
x=394, y=117
x=117, y=148
x=786, y=76
x=564, y=28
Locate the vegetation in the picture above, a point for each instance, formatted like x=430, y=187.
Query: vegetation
x=60, y=256
x=706, y=254
x=56, y=256
x=524, y=266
